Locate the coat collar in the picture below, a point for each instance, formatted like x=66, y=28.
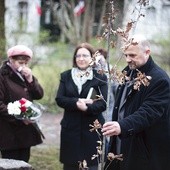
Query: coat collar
x=144, y=69
x=6, y=70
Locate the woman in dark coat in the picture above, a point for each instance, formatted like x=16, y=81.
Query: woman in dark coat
x=77, y=142
x=16, y=82
x=144, y=126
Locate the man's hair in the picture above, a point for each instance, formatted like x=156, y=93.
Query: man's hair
x=141, y=41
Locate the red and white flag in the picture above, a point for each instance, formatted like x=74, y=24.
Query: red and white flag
x=38, y=8
x=80, y=8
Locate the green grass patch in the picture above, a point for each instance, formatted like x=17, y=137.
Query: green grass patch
x=45, y=158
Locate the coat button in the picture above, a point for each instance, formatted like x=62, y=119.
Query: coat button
x=130, y=132
x=25, y=89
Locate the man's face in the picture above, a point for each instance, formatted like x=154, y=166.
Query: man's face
x=136, y=56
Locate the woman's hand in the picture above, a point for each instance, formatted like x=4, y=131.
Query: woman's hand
x=81, y=105
x=27, y=73
x=87, y=101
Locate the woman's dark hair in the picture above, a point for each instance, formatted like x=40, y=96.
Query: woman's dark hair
x=82, y=45
x=103, y=52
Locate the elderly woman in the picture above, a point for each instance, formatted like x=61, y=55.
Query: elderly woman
x=80, y=109
x=16, y=82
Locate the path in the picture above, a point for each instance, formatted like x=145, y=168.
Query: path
x=50, y=126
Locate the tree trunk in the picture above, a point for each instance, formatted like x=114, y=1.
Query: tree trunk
x=76, y=29
x=92, y=18
x=101, y=18
x=2, y=30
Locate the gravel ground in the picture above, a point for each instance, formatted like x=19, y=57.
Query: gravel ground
x=50, y=126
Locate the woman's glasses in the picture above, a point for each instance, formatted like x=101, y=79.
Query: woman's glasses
x=82, y=55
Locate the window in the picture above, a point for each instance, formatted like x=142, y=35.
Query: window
x=23, y=15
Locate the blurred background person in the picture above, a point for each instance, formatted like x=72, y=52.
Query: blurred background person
x=74, y=95
x=16, y=82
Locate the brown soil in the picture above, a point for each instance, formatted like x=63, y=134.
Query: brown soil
x=50, y=126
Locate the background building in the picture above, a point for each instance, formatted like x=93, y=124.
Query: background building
x=22, y=21
x=156, y=21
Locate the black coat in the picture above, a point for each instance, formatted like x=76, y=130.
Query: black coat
x=14, y=134
x=145, y=129
x=77, y=142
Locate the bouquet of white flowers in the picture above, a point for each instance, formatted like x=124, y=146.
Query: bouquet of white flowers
x=24, y=109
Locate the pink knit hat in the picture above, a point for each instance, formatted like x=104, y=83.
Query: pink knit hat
x=19, y=50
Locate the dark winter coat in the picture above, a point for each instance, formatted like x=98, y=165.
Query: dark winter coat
x=77, y=142
x=14, y=134
x=145, y=129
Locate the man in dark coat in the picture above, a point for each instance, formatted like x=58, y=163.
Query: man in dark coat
x=140, y=128
x=16, y=82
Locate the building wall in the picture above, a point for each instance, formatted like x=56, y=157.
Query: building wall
x=156, y=22
x=22, y=24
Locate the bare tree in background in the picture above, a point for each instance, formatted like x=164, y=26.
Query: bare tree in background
x=75, y=29
x=2, y=30
x=80, y=28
